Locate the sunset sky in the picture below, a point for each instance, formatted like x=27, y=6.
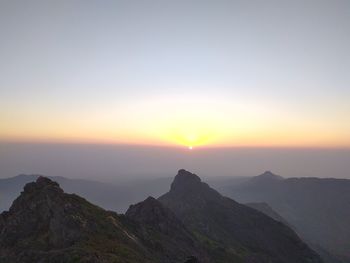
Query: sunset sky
x=176, y=73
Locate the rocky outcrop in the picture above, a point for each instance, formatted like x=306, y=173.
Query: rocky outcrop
x=46, y=225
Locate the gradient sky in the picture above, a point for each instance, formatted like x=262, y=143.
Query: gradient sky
x=212, y=73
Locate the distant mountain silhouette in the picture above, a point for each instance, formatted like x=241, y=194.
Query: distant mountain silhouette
x=267, y=176
x=191, y=223
x=318, y=209
x=232, y=231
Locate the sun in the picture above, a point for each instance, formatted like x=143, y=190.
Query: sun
x=190, y=147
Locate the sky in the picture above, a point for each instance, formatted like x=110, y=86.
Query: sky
x=254, y=73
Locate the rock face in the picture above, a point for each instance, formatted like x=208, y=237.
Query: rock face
x=41, y=209
x=231, y=231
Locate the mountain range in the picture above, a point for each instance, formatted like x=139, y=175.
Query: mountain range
x=190, y=223
x=317, y=209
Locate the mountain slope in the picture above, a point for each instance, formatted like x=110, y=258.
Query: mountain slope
x=267, y=210
x=318, y=209
x=171, y=236
x=46, y=225
x=231, y=231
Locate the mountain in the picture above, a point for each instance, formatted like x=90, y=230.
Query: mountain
x=267, y=210
x=230, y=231
x=192, y=223
x=116, y=197
x=44, y=224
x=266, y=177
x=318, y=209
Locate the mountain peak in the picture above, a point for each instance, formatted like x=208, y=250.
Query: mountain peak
x=46, y=224
x=185, y=179
x=269, y=176
x=189, y=188
x=42, y=184
x=44, y=181
x=186, y=174
x=267, y=173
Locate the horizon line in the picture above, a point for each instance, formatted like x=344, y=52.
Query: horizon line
x=173, y=146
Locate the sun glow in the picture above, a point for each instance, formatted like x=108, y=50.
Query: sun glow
x=193, y=122
x=191, y=137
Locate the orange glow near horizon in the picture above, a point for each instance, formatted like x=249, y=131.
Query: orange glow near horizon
x=203, y=137
x=192, y=122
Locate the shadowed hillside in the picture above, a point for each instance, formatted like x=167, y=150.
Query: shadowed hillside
x=318, y=209
x=230, y=230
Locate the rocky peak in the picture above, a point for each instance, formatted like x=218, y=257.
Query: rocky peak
x=44, y=181
x=36, y=195
x=42, y=184
x=185, y=180
x=47, y=225
x=43, y=207
x=188, y=188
